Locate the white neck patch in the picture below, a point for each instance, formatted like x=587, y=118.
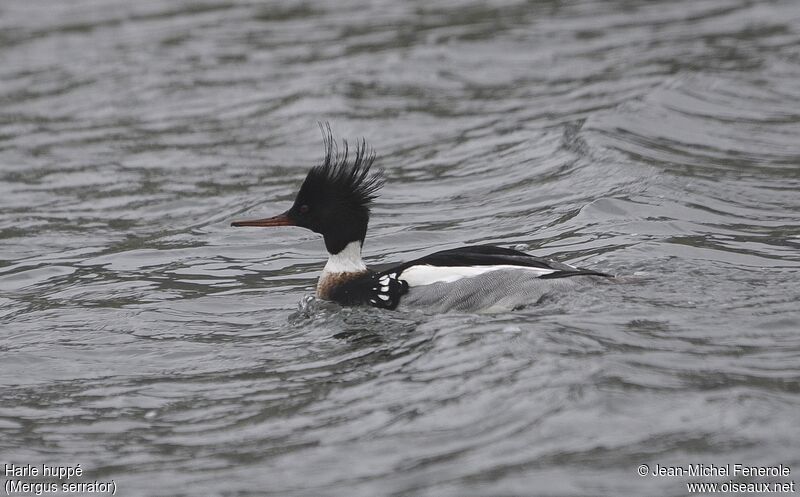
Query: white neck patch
x=346, y=261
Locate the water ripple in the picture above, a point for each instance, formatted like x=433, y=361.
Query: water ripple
x=149, y=342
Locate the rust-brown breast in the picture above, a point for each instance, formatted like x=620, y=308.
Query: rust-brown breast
x=328, y=281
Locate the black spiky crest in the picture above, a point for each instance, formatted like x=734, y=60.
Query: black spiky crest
x=336, y=195
x=345, y=176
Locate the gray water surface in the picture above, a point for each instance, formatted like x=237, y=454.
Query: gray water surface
x=148, y=341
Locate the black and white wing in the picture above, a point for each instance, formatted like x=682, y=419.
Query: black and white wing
x=386, y=287
x=465, y=262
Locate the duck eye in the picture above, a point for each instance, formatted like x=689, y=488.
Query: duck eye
x=304, y=209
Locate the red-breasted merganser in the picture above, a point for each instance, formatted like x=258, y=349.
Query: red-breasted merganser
x=334, y=201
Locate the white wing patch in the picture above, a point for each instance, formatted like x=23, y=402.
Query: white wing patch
x=386, y=291
x=426, y=274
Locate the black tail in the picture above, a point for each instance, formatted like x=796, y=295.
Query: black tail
x=577, y=272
